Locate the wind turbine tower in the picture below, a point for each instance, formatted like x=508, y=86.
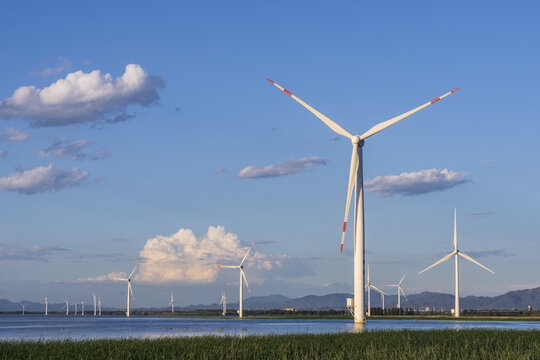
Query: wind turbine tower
x=82, y=306
x=456, y=254
x=223, y=302
x=356, y=180
x=172, y=302
x=242, y=280
x=129, y=289
x=23, y=305
x=99, y=305
x=46, y=306
x=67, y=307
x=369, y=285
x=94, y=295
x=75, y=308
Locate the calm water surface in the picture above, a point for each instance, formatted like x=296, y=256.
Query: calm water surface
x=34, y=327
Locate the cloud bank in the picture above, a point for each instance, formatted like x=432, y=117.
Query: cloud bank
x=41, y=179
x=83, y=98
x=288, y=167
x=36, y=252
x=102, y=278
x=415, y=183
x=74, y=150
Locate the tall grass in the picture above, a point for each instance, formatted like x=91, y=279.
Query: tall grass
x=404, y=344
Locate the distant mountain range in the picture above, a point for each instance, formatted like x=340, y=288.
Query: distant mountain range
x=519, y=299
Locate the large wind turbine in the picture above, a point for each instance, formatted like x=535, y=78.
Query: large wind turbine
x=456, y=253
x=399, y=290
x=356, y=179
x=172, y=302
x=223, y=302
x=129, y=290
x=242, y=279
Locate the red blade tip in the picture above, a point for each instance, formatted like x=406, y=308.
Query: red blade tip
x=341, y=251
x=455, y=90
x=270, y=80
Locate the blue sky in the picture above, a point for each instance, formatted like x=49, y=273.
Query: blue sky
x=81, y=199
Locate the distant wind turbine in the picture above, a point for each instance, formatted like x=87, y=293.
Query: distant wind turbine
x=172, y=302
x=82, y=307
x=94, y=295
x=129, y=290
x=456, y=253
x=67, y=307
x=242, y=279
x=356, y=180
x=223, y=302
x=46, y=306
x=399, y=289
x=369, y=285
x=75, y=308
x=23, y=305
x=99, y=305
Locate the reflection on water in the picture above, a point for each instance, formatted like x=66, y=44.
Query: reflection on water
x=28, y=327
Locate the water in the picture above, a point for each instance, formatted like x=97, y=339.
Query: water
x=35, y=327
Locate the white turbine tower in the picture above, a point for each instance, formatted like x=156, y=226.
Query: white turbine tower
x=223, y=302
x=369, y=285
x=399, y=290
x=67, y=307
x=23, y=305
x=46, y=306
x=172, y=302
x=75, y=308
x=99, y=305
x=95, y=312
x=356, y=180
x=129, y=290
x=242, y=279
x=82, y=307
x=456, y=253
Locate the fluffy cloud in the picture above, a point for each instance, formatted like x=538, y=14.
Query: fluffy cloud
x=40, y=179
x=83, y=98
x=102, y=278
x=281, y=169
x=415, y=183
x=36, y=252
x=14, y=135
x=185, y=258
x=74, y=150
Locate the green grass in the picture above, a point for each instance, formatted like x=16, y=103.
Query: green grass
x=404, y=344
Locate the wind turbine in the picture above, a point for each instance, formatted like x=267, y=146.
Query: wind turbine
x=369, y=285
x=23, y=305
x=356, y=179
x=223, y=302
x=129, y=290
x=172, y=302
x=94, y=295
x=67, y=307
x=75, y=308
x=99, y=305
x=399, y=289
x=46, y=306
x=456, y=253
x=242, y=279
x=82, y=312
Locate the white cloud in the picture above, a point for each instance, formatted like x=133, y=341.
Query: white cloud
x=14, y=135
x=74, y=150
x=35, y=252
x=40, y=179
x=83, y=98
x=281, y=169
x=102, y=278
x=64, y=64
x=416, y=183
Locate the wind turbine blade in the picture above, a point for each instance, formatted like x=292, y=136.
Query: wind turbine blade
x=247, y=253
x=394, y=120
x=331, y=124
x=474, y=261
x=379, y=290
x=400, y=281
x=129, y=277
x=352, y=180
x=390, y=285
x=438, y=262
x=455, y=230
x=245, y=280
x=403, y=292
x=131, y=291
x=119, y=279
x=228, y=266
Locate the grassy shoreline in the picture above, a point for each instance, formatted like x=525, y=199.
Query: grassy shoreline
x=402, y=344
